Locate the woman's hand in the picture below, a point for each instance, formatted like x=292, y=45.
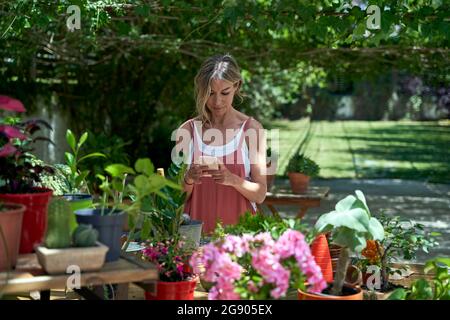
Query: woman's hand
x=194, y=173
x=223, y=176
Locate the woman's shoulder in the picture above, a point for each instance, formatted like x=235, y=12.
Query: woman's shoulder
x=252, y=123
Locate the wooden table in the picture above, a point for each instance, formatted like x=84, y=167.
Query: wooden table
x=284, y=196
x=29, y=276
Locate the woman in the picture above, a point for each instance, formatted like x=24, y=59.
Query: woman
x=235, y=139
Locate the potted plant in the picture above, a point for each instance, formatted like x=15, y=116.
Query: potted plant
x=176, y=280
x=403, y=239
x=109, y=217
x=421, y=289
x=78, y=194
x=19, y=175
x=63, y=248
x=167, y=217
x=299, y=170
x=351, y=225
x=11, y=216
x=258, y=266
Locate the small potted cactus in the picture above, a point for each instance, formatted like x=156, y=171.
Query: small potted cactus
x=63, y=248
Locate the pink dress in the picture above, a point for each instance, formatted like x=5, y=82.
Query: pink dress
x=211, y=202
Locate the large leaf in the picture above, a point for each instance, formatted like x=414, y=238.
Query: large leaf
x=118, y=170
x=345, y=237
x=144, y=166
x=70, y=159
x=70, y=138
x=346, y=203
x=376, y=229
x=92, y=155
x=361, y=202
x=355, y=219
x=83, y=139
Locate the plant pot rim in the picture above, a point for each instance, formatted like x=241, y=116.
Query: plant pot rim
x=77, y=196
x=10, y=206
x=192, y=223
x=85, y=212
x=194, y=279
x=332, y=297
x=297, y=173
x=44, y=249
x=40, y=191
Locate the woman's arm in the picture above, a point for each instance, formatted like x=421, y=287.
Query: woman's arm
x=183, y=138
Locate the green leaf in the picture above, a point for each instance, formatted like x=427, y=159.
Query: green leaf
x=70, y=159
x=146, y=227
x=355, y=219
x=79, y=180
x=70, y=138
x=142, y=183
x=355, y=241
x=118, y=170
x=361, y=201
x=144, y=166
x=346, y=203
x=398, y=294
x=92, y=155
x=83, y=139
x=376, y=229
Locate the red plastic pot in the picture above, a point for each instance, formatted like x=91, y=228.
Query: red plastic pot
x=180, y=290
x=321, y=253
x=34, y=218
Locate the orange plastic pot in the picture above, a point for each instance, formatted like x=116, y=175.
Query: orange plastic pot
x=321, y=253
x=299, y=182
x=356, y=294
x=34, y=218
x=180, y=290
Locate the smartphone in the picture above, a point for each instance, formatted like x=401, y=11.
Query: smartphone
x=211, y=162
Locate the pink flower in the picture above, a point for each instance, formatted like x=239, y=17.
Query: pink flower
x=10, y=104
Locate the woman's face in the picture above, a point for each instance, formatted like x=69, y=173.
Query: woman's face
x=221, y=97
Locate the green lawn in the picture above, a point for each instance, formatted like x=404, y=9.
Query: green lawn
x=369, y=149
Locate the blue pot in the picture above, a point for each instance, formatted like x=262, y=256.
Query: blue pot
x=109, y=226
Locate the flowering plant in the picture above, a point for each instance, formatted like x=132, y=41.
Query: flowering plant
x=171, y=257
x=258, y=266
x=18, y=172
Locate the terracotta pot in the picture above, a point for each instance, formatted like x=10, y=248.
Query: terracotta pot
x=179, y=290
x=350, y=293
x=321, y=253
x=11, y=223
x=299, y=182
x=335, y=251
x=353, y=276
x=34, y=218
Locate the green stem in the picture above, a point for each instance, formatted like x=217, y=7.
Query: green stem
x=343, y=262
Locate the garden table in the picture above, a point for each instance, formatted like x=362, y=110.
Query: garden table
x=29, y=276
x=284, y=196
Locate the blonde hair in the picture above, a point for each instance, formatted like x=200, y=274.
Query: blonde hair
x=219, y=67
